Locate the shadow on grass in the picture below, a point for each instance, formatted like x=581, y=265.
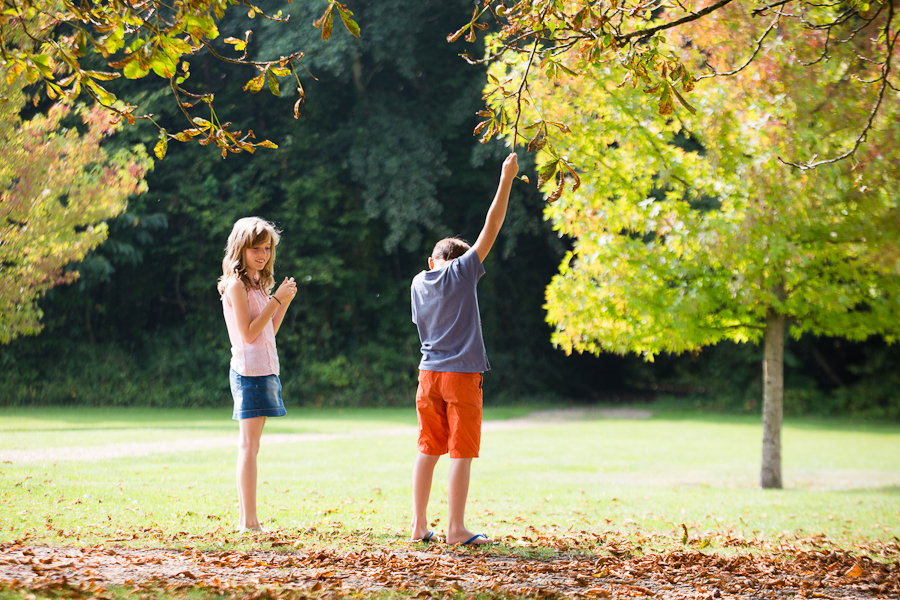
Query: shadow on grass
x=301, y=420
x=113, y=419
x=890, y=490
x=817, y=423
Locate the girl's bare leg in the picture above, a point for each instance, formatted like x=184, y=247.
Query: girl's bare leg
x=423, y=472
x=248, y=447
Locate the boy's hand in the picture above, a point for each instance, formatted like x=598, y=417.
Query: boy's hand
x=510, y=167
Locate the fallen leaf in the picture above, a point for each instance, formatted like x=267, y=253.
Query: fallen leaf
x=855, y=571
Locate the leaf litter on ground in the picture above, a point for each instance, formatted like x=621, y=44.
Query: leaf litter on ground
x=290, y=564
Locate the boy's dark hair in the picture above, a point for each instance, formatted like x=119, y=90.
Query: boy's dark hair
x=449, y=248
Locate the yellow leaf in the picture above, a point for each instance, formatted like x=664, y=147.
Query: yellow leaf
x=160, y=149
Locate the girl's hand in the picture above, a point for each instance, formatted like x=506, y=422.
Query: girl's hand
x=286, y=291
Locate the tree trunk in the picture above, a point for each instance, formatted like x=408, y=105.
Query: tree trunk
x=773, y=400
x=178, y=297
x=357, y=69
x=87, y=321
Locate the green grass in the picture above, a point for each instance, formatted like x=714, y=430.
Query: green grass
x=636, y=478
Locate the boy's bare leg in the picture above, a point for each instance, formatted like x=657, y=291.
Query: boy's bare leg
x=457, y=493
x=248, y=448
x=423, y=472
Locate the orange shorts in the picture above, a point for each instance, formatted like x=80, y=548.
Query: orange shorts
x=449, y=410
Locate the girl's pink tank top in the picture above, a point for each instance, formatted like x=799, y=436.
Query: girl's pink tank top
x=260, y=357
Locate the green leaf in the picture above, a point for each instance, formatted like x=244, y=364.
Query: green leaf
x=175, y=47
x=692, y=110
x=101, y=76
x=114, y=42
x=163, y=65
x=547, y=172
x=200, y=27
x=135, y=70
x=349, y=23
x=102, y=93
x=567, y=70
x=44, y=64
x=273, y=84
x=325, y=22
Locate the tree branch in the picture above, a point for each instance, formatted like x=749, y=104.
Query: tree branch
x=752, y=56
x=519, y=92
x=758, y=11
x=644, y=33
x=885, y=73
x=237, y=61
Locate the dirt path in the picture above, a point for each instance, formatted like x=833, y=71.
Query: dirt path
x=130, y=449
x=437, y=570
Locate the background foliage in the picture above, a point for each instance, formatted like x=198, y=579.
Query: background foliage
x=380, y=165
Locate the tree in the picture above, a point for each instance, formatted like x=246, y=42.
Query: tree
x=690, y=230
x=57, y=186
x=47, y=41
x=626, y=41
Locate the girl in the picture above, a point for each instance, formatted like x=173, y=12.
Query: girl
x=253, y=318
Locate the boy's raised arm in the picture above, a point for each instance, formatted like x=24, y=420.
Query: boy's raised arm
x=497, y=212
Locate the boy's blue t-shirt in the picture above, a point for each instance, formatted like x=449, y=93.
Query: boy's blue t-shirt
x=445, y=310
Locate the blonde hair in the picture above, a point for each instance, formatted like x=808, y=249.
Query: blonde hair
x=246, y=233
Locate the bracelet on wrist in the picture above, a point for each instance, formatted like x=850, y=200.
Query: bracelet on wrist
x=276, y=299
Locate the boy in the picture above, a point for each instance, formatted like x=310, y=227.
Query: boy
x=448, y=400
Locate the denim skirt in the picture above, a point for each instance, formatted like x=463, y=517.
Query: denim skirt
x=256, y=396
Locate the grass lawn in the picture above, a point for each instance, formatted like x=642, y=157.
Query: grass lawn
x=637, y=479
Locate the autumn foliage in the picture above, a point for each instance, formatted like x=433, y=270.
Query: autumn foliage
x=49, y=43
x=657, y=47
x=57, y=186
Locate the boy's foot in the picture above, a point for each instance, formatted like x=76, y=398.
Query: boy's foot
x=479, y=539
x=428, y=537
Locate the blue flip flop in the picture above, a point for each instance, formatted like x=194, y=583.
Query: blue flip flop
x=429, y=537
x=469, y=542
